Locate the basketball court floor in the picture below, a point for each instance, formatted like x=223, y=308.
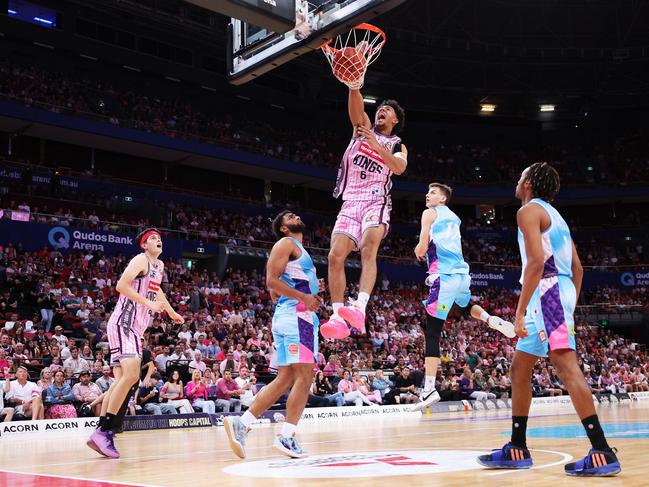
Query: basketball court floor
x=438, y=449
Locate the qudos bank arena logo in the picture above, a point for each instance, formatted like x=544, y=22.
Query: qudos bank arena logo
x=627, y=279
x=59, y=238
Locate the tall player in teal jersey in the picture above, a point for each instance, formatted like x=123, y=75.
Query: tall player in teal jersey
x=551, y=281
x=291, y=277
x=440, y=244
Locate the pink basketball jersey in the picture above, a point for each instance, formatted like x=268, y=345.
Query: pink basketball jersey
x=134, y=316
x=362, y=175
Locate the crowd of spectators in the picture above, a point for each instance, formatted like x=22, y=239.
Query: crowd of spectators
x=239, y=229
x=54, y=309
x=180, y=117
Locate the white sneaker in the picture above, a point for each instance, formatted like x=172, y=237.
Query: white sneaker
x=425, y=399
x=289, y=447
x=504, y=327
x=237, y=434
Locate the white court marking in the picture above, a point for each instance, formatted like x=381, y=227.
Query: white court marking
x=361, y=464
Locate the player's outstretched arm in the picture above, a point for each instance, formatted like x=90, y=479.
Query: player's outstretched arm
x=356, y=108
x=427, y=220
x=279, y=256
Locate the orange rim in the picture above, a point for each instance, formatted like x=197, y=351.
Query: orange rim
x=364, y=26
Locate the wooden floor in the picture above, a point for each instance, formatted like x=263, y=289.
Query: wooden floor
x=435, y=450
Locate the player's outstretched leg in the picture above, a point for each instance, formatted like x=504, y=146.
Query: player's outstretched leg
x=494, y=322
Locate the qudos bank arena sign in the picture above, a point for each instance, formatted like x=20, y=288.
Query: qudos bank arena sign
x=63, y=238
x=35, y=236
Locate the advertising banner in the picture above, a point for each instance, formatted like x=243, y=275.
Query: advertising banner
x=35, y=236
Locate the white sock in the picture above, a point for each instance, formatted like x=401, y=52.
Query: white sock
x=247, y=419
x=336, y=307
x=362, y=300
x=484, y=316
x=288, y=430
x=429, y=384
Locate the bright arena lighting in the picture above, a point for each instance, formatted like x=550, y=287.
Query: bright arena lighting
x=487, y=107
x=546, y=108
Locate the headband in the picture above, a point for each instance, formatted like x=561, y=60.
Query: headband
x=146, y=236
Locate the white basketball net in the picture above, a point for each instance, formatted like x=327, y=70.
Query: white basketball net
x=353, y=52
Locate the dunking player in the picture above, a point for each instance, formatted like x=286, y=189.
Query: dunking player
x=290, y=276
x=551, y=281
x=364, y=182
x=440, y=244
x=140, y=297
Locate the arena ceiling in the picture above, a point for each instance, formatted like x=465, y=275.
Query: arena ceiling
x=581, y=55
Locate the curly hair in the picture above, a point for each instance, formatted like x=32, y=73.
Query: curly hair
x=400, y=113
x=544, y=180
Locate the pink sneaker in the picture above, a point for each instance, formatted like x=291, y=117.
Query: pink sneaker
x=334, y=328
x=353, y=315
x=102, y=443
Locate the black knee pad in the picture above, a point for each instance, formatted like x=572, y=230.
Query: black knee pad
x=433, y=331
x=466, y=311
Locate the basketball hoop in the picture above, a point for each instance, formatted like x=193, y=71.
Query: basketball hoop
x=353, y=52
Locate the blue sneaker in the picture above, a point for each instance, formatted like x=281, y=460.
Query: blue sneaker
x=237, y=434
x=289, y=447
x=597, y=463
x=509, y=456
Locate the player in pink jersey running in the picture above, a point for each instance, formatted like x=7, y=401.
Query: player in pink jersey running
x=364, y=183
x=140, y=297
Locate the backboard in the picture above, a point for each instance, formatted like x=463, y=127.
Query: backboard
x=253, y=51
